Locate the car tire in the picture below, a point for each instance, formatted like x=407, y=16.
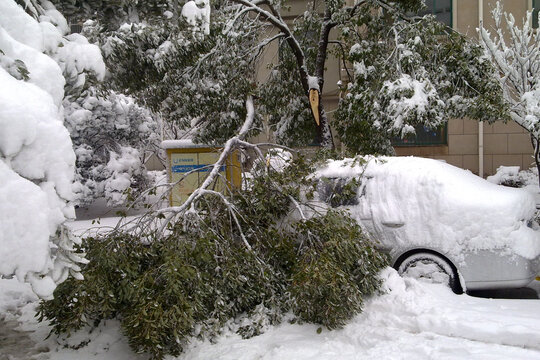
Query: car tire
x=430, y=267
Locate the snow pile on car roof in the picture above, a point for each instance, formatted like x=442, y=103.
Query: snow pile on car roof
x=441, y=206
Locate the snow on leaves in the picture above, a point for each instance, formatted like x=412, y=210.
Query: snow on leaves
x=409, y=73
x=515, y=52
x=111, y=136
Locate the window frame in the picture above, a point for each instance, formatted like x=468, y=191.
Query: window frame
x=405, y=142
x=433, y=4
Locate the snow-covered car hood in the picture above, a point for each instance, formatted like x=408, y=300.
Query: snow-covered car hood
x=424, y=202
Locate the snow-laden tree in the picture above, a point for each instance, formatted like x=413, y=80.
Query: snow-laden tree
x=197, y=82
x=422, y=73
x=409, y=72
x=515, y=52
x=299, y=72
x=112, y=136
x=112, y=133
x=36, y=155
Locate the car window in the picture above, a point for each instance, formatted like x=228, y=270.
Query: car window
x=339, y=191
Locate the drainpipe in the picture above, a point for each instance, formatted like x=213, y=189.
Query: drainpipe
x=480, y=123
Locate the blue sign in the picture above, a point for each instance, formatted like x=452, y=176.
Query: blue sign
x=199, y=168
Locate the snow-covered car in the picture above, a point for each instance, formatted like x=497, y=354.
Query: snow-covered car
x=437, y=221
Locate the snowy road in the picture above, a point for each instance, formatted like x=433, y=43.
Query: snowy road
x=412, y=320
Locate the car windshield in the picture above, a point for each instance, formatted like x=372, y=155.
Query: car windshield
x=339, y=191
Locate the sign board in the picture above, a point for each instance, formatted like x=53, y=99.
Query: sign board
x=190, y=165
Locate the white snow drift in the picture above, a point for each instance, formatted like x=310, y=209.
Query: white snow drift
x=36, y=156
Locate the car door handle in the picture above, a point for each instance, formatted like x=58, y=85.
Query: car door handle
x=392, y=224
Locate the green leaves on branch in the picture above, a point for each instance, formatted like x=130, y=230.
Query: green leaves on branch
x=410, y=73
x=201, y=278
x=333, y=276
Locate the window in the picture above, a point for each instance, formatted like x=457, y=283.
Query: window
x=536, y=8
x=424, y=136
x=75, y=28
x=442, y=9
x=339, y=191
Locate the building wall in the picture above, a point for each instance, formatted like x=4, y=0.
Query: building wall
x=504, y=144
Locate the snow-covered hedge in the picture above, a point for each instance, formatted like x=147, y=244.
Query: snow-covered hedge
x=36, y=156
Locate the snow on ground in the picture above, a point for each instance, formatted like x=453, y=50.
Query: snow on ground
x=22, y=337
x=410, y=320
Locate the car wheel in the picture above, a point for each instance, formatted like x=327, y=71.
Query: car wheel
x=431, y=268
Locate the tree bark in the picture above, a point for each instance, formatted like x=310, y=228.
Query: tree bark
x=536, y=146
x=324, y=132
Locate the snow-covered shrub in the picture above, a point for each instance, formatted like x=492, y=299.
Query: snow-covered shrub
x=205, y=275
x=111, y=135
x=513, y=177
x=36, y=156
x=507, y=176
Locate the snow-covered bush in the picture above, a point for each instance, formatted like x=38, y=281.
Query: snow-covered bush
x=207, y=274
x=104, y=125
x=36, y=156
x=513, y=177
x=111, y=135
x=508, y=176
